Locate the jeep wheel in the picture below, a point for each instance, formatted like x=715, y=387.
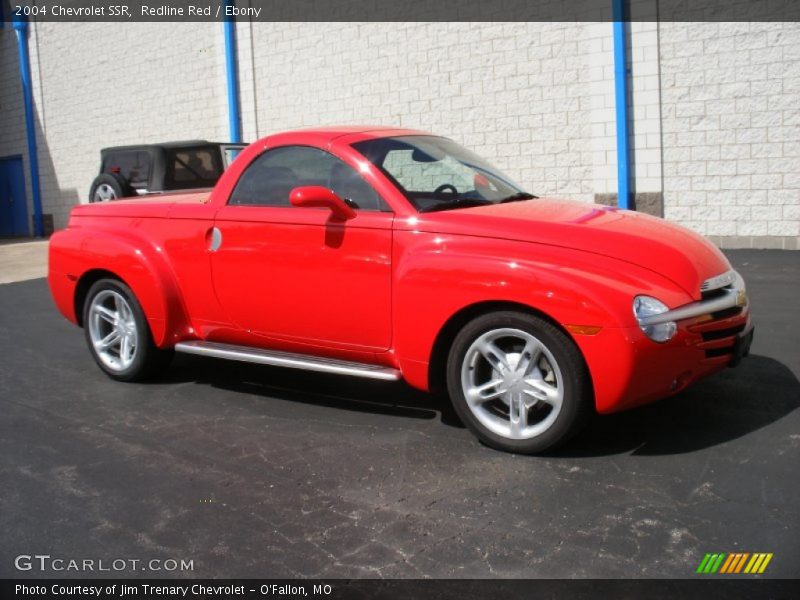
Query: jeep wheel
x=518, y=382
x=109, y=186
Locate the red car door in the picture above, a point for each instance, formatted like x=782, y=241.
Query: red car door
x=295, y=273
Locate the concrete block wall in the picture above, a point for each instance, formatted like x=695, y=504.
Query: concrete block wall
x=13, y=142
x=98, y=86
x=644, y=105
x=716, y=106
x=645, y=109
x=731, y=130
x=533, y=97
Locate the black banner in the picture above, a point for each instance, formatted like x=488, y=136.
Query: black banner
x=337, y=589
x=123, y=11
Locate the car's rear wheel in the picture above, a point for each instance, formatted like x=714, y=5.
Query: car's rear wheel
x=118, y=335
x=518, y=382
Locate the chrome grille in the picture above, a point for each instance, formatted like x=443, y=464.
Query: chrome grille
x=718, y=281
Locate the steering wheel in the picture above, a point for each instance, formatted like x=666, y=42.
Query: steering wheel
x=445, y=186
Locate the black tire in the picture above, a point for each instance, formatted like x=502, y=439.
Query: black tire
x=574, y=382
x=112, y=182
x=147, y=359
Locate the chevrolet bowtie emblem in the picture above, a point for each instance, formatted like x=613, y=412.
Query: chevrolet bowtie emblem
x=741, y=298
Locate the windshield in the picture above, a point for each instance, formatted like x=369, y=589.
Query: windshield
x=435, y=173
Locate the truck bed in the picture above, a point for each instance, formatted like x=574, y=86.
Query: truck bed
x=154, y=205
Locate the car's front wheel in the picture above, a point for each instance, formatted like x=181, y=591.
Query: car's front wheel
x=118, y=335
x=518, y=382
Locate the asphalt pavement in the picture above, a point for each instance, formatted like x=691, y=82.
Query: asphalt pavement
x=252, y=471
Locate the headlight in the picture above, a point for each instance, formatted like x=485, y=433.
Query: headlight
x=646, y=306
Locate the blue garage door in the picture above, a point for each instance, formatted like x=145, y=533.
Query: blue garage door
x=13, y=204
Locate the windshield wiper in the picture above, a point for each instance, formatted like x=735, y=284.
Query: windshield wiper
x=456, y=203
x=518, y=197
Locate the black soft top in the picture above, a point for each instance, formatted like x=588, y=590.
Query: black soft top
x=166, y=145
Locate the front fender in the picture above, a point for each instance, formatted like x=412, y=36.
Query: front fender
x=133, y=258
x=439, y=275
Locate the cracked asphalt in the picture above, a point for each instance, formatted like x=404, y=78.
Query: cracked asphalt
x=254, y=471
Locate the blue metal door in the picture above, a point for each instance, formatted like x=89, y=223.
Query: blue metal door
x=13, y=204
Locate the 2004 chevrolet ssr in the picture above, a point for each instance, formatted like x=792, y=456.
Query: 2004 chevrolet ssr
x=396, y=254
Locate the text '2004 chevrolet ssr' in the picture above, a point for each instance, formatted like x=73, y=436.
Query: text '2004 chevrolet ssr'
x=394, y=254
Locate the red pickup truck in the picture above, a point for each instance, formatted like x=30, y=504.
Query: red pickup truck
x=395, y=254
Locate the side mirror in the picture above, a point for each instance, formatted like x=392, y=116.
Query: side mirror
x=318, y=196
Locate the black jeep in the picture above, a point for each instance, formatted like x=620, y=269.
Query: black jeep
x=158, y=168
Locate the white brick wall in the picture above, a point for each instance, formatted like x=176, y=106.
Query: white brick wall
x=716, y=106
x=646, y=107
x=534, y=97
x=101, y=86
x=731, y=127
x=12, y=112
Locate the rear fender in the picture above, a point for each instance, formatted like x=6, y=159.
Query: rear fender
x=134, y=259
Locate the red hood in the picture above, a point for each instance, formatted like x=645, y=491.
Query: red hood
x=681, y=255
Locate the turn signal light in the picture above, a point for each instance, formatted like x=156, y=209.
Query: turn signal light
x=584, y=329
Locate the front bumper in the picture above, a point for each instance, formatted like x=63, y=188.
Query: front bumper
x=741, y=348
x=629, y=369
x=729, y=293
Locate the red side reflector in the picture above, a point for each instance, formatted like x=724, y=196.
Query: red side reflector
x=584, y=329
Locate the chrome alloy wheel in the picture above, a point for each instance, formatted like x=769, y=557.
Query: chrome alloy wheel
x=512, y=383
x=104, y=193
x=112, y=329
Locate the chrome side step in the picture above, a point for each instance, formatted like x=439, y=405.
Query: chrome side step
x=288, y=359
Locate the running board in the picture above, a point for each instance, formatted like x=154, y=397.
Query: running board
x=287, y=359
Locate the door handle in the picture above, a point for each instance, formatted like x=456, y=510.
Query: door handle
x=214, y=238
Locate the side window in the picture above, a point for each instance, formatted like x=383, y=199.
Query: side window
x=229, y=153
x=271, y=177
x=193, y=167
